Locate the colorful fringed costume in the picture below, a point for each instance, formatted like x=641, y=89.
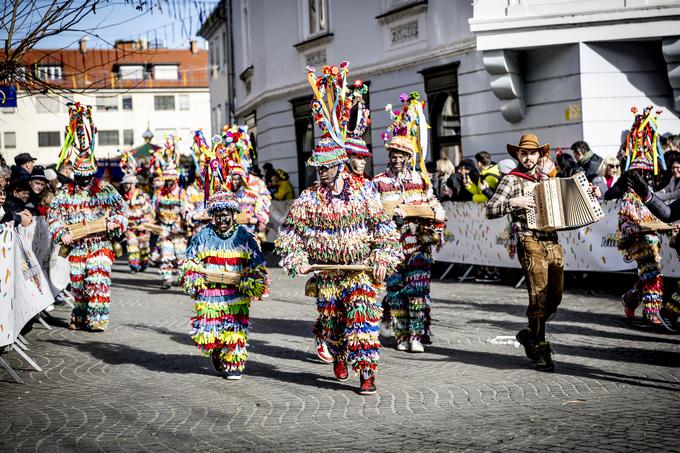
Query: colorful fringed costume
x=83, y=201
x=90, y=257
x=350, y=228
x=221, y=323
x=139, y=211
x=170, y=206
x=197, y=216
x=408, y=289
x=644, y=248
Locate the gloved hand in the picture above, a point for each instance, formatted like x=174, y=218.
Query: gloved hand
x=637, y=184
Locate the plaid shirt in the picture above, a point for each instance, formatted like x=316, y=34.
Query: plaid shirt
x=510, y=187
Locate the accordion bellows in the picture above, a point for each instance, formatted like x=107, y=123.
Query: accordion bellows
x=563, y=204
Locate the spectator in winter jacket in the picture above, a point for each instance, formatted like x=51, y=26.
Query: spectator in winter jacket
x=14, y=205
x=672, y=190
x=489, y=175
x=610, y=171
x=22, y=168
x=586, y=159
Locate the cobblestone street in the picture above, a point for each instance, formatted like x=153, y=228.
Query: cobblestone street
x=142, y=385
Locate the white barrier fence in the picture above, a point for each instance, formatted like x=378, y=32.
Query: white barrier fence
x=472, y=239
x=25, y=290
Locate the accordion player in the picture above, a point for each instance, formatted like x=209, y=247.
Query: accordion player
x=562, y=204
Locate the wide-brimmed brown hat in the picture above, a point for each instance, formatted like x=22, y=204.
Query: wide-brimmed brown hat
x=529, y=142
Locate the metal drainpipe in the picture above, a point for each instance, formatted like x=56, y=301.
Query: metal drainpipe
x=230, y=76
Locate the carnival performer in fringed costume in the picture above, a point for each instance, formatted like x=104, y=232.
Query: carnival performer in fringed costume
x=335, y=221
x=634, y=242
x=220, y=327
x=139, y=212
x=357, y=153
x=83, y=201
x=170, y=208
x=197, y=216
x=408, y=289
x=240, y=149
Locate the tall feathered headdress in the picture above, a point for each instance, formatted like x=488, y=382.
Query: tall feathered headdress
x=199, y=153
x=642, y=142
x=128, y=163
x=408, y=131
x=331, y=113
x=80, y=137
x=354, y=142
x=168, y=157
x=237, y=141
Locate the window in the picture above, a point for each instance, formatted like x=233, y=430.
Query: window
x=51, y=138
x=164, y=102
x=304, y=140
x=184, y=102
x=441, y=85
x=245, y=33
x=128, y=137
x=107, y=103
x=127, y=102
x=317, y=17
x=47, y=104
x=166, y=72
x=131, y=72
x=48, y=72
x=10, y=140
x=108, y=138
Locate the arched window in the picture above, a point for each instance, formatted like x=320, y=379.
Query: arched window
x=304, y=140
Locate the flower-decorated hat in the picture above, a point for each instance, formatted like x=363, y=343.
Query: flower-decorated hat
x=80, y=137
x=331, y=113
x=354, y=142
x=642, y=142
x=408, y=131
x=221, y=200
x=168, y=158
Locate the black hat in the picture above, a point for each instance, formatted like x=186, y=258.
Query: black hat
x=20, y=185
x=38, y=173
x=23, y=158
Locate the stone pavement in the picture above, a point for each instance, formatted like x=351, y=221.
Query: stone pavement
x=142, y=385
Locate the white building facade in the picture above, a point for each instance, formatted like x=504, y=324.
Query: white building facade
x=165, y=91
x=483, y=91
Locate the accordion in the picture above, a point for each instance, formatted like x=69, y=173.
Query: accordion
x=562, y=204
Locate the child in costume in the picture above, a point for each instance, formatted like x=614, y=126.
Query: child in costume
x=408, y=289
x=170, y=211
x=336, y=221
x=635, y=243
x=139, y=212
x=220, y=327
x=84, y=200
x=539, y=252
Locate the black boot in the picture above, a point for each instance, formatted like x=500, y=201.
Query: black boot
x=542, y=360
x=526, y=339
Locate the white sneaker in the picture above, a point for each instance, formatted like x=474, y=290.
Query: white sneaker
x=50, y=308
x=403, y=346
x=386, y=329
x=417, y=346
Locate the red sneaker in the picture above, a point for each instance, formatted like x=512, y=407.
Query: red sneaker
x=340, y=371
x=322, y=352
x=629, y=312
x=367, y=386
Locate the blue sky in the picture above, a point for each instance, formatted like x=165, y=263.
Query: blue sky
x=125, y=22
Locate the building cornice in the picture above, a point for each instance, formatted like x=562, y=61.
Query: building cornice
x=409, y=60
x=316, y=41
x=402, y=12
